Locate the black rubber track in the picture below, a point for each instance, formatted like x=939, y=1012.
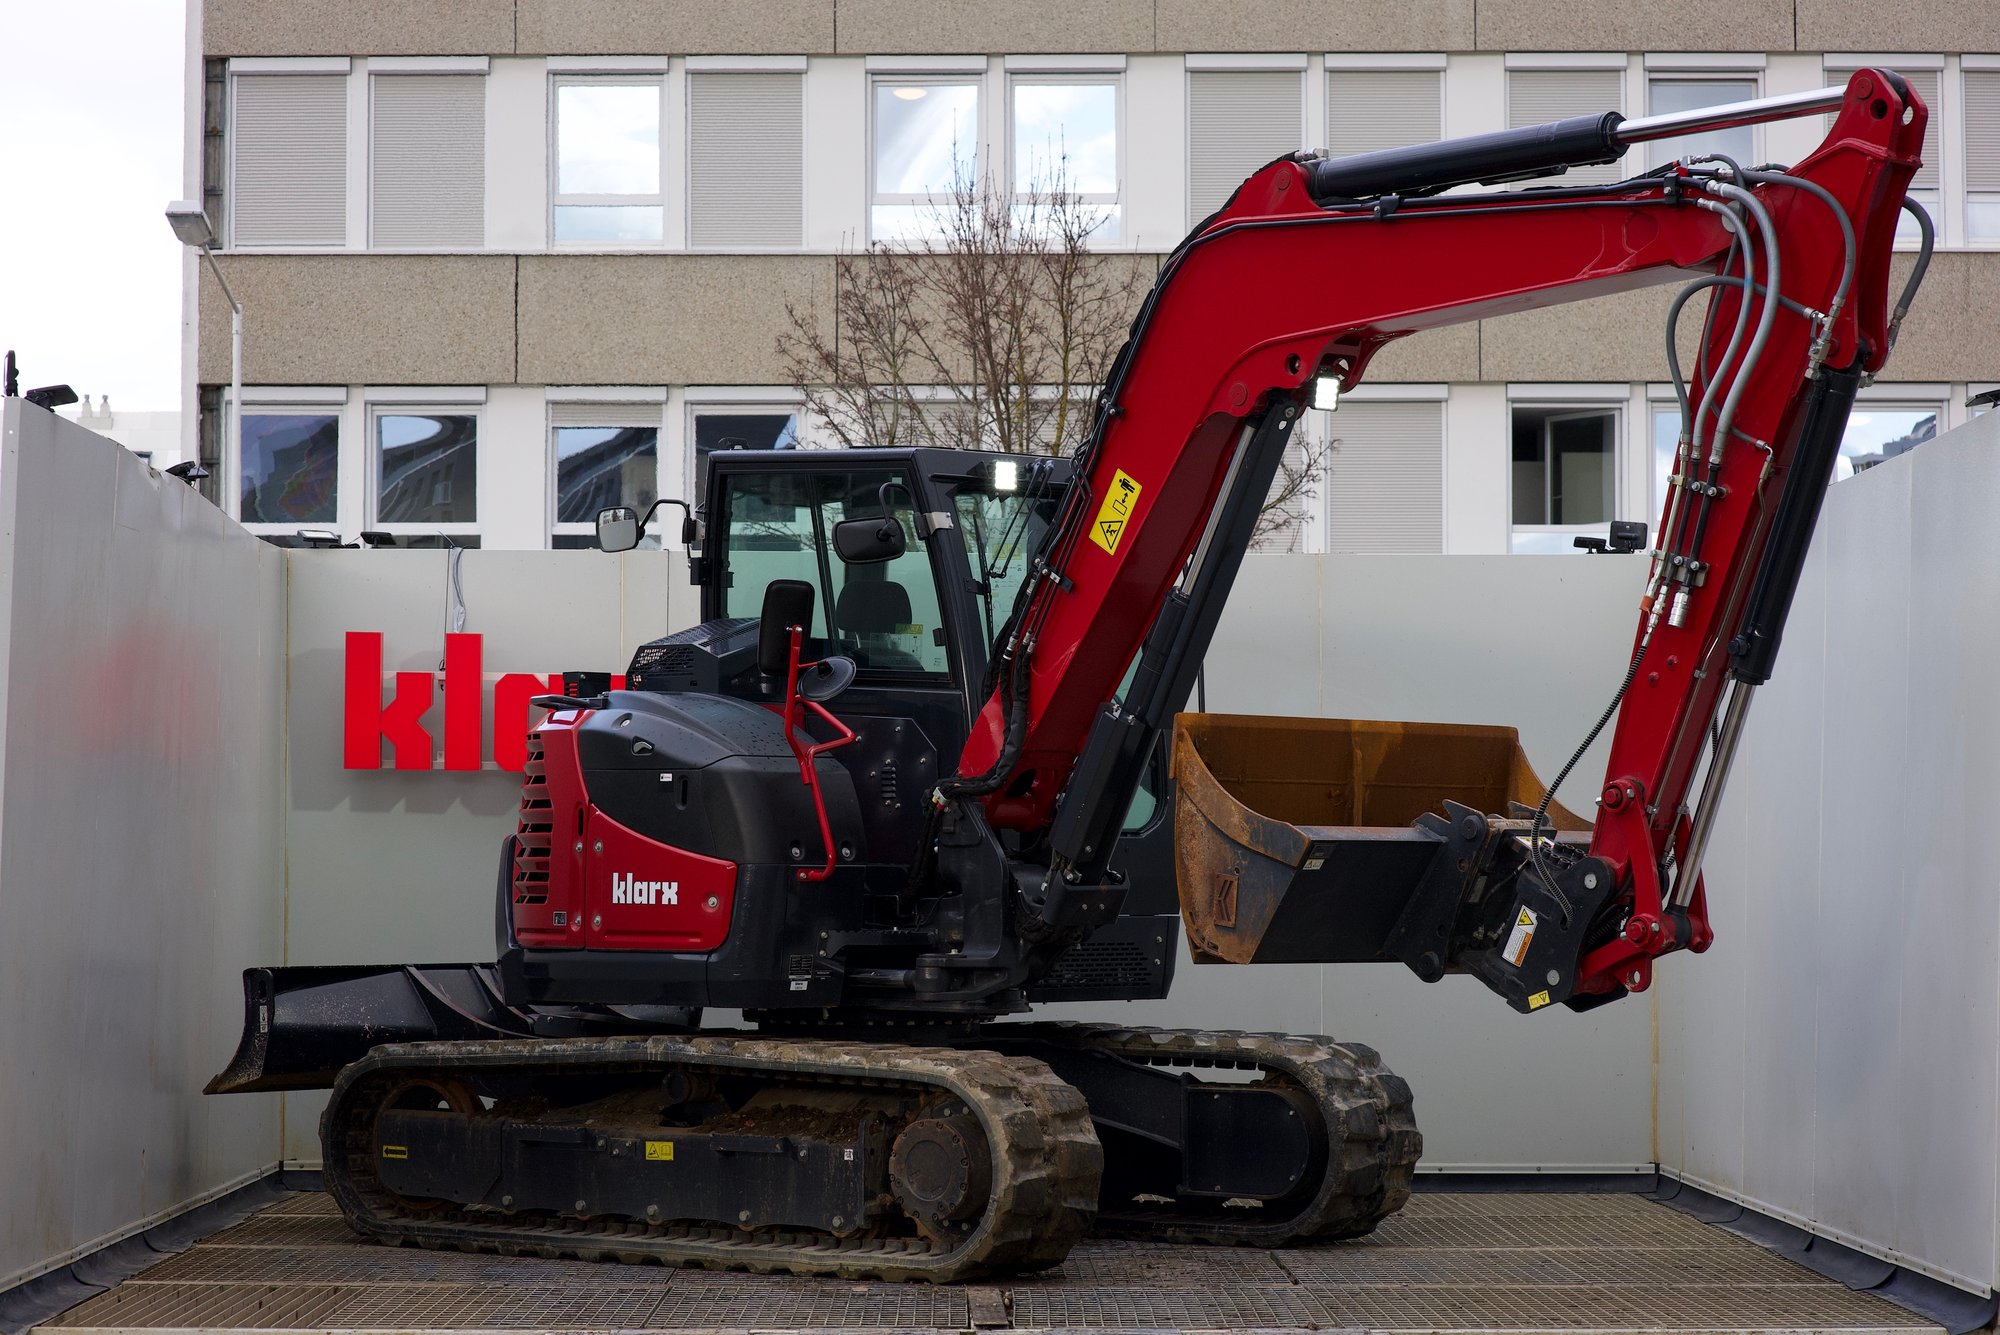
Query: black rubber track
x=1372, y=1141
x=1046, y=1171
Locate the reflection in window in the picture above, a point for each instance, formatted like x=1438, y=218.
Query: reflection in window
x=740, y=429
x=1666, y=443
x=601, y=466
x=290, y=468
x=428, y=468
x=1564, y=465
x=925, y=145
x=1066, y=142
x=1672, y=95
x=1876, y=434
x=607, y=177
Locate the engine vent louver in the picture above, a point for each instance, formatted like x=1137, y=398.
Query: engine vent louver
x=534, y=835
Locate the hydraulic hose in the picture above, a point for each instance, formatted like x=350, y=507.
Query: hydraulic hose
x=1926, y=242
x=1767, y=315
x=1840, y=293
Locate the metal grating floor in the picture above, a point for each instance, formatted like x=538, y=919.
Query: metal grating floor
x=1487, y=1262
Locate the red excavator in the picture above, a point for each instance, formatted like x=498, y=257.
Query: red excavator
x=908, y=778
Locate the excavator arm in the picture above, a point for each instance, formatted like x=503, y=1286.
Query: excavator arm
x=1288, y=292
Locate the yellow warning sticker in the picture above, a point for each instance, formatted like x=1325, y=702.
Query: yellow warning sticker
x=395, y=1151
x=1539, y=1000
x=1517, y=941
x=660, y=1149
x=1115, y=515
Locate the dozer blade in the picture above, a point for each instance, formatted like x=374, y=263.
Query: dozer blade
x=1309, y=840
x=302, y=1024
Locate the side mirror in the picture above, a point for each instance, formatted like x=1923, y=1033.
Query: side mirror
x=690, y=532
x=617, y=529
x=787, y=603
x=863, y=542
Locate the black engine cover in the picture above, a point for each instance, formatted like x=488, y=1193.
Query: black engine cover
x=713, y=775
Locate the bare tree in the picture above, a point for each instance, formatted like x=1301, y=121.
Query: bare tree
x=1281, y=523
x=994, y=329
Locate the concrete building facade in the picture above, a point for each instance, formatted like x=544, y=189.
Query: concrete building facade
x=503, y=259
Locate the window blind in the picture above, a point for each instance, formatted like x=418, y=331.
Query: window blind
x=1384, y=484
x=289, y=178
x=611, y=415
x=1368, y=110
x=1238, y=120
x=1537, y=96
x=428, y=162
x=1982, y=130
x=746, y=159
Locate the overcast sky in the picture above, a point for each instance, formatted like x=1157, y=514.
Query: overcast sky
x=90, y=131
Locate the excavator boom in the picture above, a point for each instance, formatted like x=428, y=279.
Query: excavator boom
x=1298, y=282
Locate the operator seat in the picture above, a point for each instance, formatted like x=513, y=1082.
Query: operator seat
x=871, y=611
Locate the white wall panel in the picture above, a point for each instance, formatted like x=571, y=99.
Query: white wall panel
x=1769, y=892
x=1866, y=536
x=1153, y=188
x=1948, y=926
x=1858, y=929
x=517, y=155
x=139, y=837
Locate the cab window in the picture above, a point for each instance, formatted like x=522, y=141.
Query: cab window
x=1001, y=530
x=780, y=526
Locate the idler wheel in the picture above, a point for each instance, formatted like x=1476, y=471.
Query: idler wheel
x=941, y=1172
x=429, y=1092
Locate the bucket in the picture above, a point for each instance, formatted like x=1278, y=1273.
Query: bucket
x=1302, y=840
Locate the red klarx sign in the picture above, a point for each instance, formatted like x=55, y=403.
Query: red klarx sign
x=368, y=722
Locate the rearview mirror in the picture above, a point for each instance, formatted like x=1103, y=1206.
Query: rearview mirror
x=863, y=542
x=617, y=529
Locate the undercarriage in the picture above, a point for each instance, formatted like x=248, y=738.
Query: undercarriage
x=867, y=1159
x=888, y=1151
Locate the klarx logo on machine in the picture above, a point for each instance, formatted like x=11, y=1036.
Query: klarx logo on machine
x=625, y=889
x=367, y=721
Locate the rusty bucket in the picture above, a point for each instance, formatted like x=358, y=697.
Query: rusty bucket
x=1295, y=838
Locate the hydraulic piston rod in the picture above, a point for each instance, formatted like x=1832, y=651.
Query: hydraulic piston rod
x=1541, y=150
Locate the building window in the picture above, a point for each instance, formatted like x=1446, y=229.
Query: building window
x=715, y=427
x=290, y=467
x=1371, y=109
x=603, y=455
x=1065, y=141
x=1563, y=474
x=1879, y=430
x=606, y=139
x=1926, y=186
x=288, y=160
x=1537, y=96
x=1982, y=155
x=427, y=162
x=426, y=468
x=924, y=148
x=736, y=118
x=1238, y=122
x=1666, y=93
